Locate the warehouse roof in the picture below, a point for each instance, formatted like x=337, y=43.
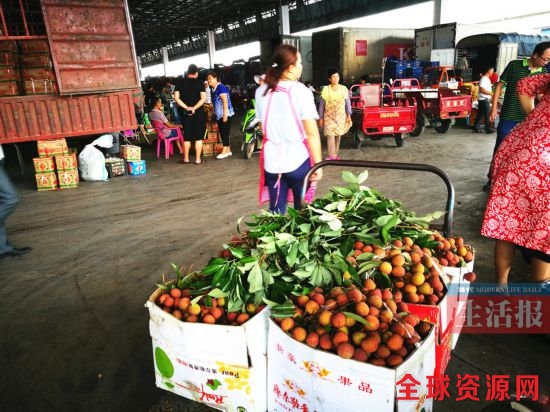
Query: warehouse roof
x=182, y=25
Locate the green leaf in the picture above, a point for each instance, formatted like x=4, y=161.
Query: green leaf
x=303, y=248
x=362, y=176
x=291, y=254
x=237, y=252
x=219, y=275
x=349, y=177
x=255, y=279
x=342, y=205
x=213, y=268
x=164, y=365
x=382, y=281
x=342, y=191
x=217, y=293
x=169, y=384
x=368, y=265
x=355, y=317
x=335, y=224
x=305, y=227
x=365, y=256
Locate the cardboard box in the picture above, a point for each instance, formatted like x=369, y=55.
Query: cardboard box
x=68, y=179
x=221, y=366
x=137, y=167
x=212, y=137
x=302, y=378
x=208, y=149
x=66, y=162
x=46, y=181
x=54, y=147
x=458, y=289
x=212, y=126
x=218, y=147
x=43, y=164
x=130, y=152
x=115, y=167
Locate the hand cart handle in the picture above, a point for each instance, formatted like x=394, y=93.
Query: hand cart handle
x=448, y=218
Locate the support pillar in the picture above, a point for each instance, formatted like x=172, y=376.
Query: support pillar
x=211, y=47
x=284, y=21
x=165, y=60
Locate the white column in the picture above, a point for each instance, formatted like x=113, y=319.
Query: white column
x=437, y=12
x=211, y=47
x=165, y=60
x=284, y=21
x=443, y=12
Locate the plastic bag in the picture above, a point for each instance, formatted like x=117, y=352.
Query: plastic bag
x=91, y=161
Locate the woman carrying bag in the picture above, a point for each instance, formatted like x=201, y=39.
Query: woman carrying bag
x=291, y=145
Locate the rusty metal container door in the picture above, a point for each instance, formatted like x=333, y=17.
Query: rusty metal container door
x=91, y=44
x=26, y=118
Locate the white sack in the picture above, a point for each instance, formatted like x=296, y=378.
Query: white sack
x=91, y=161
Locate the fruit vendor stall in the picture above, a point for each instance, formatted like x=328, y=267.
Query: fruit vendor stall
x=352, y=295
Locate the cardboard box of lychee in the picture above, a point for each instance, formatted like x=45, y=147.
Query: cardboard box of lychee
x=348, y=339
x=223, y=366
x=349, y=376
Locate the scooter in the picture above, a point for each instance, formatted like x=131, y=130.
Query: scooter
x=252, y=133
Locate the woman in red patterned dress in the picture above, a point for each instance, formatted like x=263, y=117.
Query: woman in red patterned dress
x=518, y=209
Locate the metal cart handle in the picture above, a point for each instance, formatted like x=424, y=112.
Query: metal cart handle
x=448, y=218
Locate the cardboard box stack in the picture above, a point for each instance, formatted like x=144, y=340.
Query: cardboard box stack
x=56, y=167
x=132, y=155
x=37, y=74
x=67, y=170
x=211, y=140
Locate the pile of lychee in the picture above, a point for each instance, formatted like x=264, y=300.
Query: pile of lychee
x=361, y=323
x=201, y=308
x=452, y=251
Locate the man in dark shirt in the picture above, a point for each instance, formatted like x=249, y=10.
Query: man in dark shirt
x=150, y=95
x=189, y=95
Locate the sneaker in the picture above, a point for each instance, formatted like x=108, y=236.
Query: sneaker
x=477, y=131
x=489, y=131
x=224, y=155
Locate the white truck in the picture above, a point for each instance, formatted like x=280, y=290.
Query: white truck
x=357, y=51
x=497, y=49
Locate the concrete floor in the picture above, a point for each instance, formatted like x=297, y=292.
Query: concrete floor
x=74, y=330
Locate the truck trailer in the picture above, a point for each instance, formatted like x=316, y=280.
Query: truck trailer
x=497, y=49
x=67, y=68
x=357, y=51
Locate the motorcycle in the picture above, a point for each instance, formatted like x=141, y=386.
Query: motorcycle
x=252, y=132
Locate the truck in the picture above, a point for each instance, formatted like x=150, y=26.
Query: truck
x=438, y=44
x=357, y=51
x=497, y=49
x=67, y=68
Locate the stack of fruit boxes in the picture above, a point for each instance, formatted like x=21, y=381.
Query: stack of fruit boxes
x=132, y=155
x=67, y=170
x=211, y=139
x=44, y=165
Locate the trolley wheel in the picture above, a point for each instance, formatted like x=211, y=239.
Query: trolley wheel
x=419, y=126
x=444, y=127
x=358, y=138
x=399, y=140
x=248, y=149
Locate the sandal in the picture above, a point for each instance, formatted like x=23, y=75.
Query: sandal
x=181, y=161
x=201, y=162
